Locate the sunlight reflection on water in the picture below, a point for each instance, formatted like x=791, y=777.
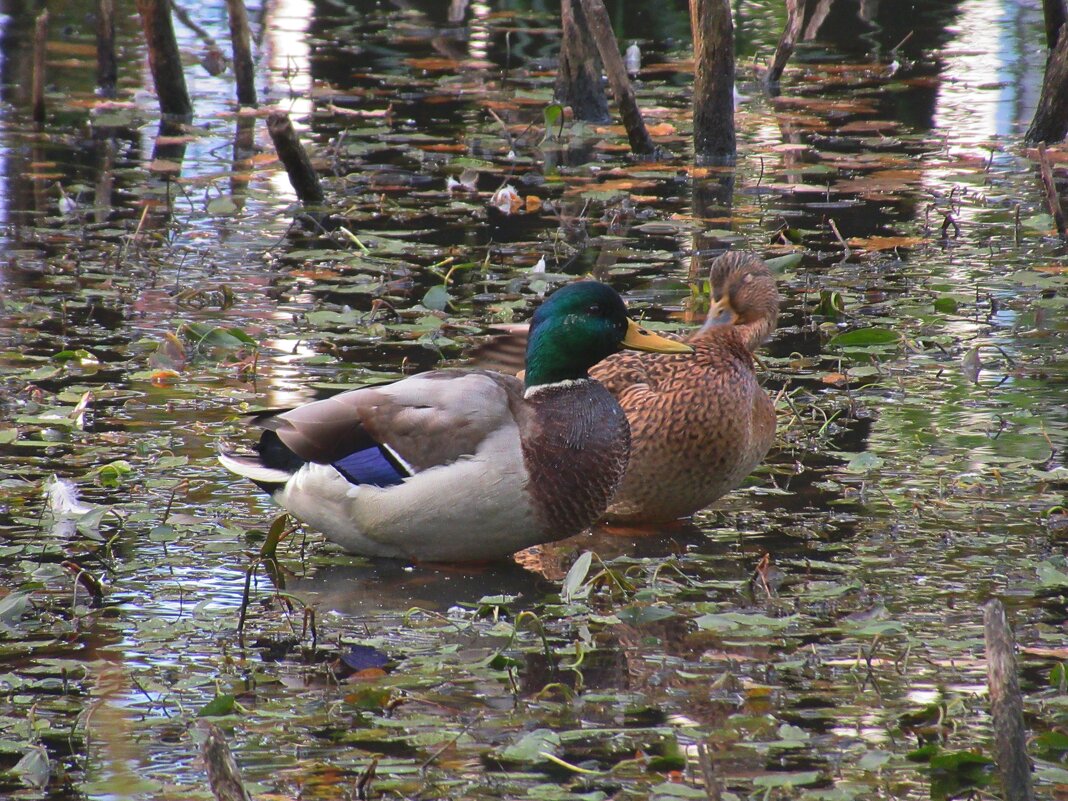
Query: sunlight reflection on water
x=994, y=70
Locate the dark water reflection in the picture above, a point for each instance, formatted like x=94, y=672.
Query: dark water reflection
x=113, y=236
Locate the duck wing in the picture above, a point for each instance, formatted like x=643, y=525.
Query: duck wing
x=381, y=435
x=505, y=351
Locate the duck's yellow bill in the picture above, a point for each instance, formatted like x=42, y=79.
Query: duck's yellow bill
x=638, y=338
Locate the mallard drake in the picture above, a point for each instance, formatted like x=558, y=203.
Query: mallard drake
x=700, y=424
x=459, y=465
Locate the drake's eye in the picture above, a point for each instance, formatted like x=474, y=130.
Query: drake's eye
x=595, y=309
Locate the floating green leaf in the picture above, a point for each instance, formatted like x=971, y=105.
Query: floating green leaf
x=218, y=706
x=34, y=768
x=783, y=263
x=71, y=355
x=865, y=337
x=946, y=305
x=222, y=206
x=13, y=606
x=638, y=614
x=1052, y=744
x=668, y=790
x=864, y=462
x=531, y=747
x=952, y=772
x=874, y=760
x=210, y=336
x=437, y=298
x=1050, y=575
x=798, y=779
x=110, y=474
x=733, y=621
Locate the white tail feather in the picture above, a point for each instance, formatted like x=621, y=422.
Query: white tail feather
x=250, y=467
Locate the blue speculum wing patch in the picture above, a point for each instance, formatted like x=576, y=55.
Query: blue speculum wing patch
x=374, y=466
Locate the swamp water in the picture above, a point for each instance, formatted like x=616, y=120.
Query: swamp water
x=816, y=635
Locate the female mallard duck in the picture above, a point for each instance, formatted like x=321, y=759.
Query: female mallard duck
x=700, y=424
x=457, y=465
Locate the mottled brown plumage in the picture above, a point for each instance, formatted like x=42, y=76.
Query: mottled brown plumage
x=699, y=425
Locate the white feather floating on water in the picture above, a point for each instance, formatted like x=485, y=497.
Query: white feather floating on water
x=63, y=501
x=69, y=513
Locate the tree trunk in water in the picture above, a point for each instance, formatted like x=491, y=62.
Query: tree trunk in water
x=1006, y=705
x=295, y=159
x=40, y=42
x=1055, y=14
x=1050, y=123
x=601, y=29
x=240, y=41
x=578, y=79
x=713, y=84
x=107, y=69
x=163, y=57
x=795, y=19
